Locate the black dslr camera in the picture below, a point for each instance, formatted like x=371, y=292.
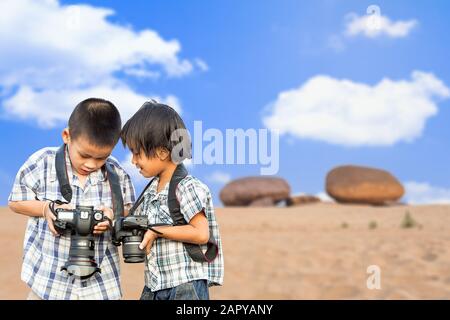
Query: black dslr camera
x=79, y=223
x=130, y=231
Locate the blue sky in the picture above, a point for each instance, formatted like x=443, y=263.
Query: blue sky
x=242, y=64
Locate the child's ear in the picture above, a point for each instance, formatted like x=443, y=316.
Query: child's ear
x=66, y=135
x=162, y=153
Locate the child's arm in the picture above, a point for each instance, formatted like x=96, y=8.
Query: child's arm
x=31, y=208
x=36, y=208
x=196, y=232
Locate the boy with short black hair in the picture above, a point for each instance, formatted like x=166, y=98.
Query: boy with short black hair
x=93, y=131
x=171, y=273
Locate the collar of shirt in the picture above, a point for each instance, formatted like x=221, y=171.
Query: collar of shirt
x=95, y=177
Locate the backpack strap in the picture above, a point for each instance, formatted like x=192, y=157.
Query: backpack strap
x=194, y=250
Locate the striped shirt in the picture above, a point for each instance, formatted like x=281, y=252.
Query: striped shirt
x=168, y=264
x=45, y=254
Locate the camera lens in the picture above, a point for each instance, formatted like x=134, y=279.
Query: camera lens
x=81, y=262
x=131, y=251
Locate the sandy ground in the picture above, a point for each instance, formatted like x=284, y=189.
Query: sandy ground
x=317, y=251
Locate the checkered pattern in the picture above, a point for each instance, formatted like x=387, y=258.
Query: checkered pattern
x=45, y=254
x=169, y=264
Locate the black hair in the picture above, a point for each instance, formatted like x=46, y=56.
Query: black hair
x=98, y=120
x=153, y=126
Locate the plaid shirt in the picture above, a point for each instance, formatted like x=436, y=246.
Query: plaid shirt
x=45, y=254
x=169, y=264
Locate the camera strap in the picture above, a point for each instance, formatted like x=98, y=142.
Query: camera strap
x=140, y=199
x=61, y=174
x=66, y=188
x=116, y=191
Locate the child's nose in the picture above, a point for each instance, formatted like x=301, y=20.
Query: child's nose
x=91, y=164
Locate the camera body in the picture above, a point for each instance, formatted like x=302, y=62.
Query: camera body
x=130, y=231
x=79, y=223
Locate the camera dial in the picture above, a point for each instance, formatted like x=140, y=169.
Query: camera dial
x=98, y=216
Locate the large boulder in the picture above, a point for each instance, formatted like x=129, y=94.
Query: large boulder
x=255, y=191
x=355, y=184
x=262, y=202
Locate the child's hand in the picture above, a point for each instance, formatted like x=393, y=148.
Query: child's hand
x=147, y=242
x=104, y=226
x=50, y=217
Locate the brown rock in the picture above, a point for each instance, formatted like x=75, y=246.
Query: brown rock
x=245, y=191
x=355, y=184
x=262, y=202
x=303, y=199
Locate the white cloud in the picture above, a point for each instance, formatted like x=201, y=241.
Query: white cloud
x=219, y=177
x=373, y=26
x=60, y=55
x=324, y=197
x=424, y=193
x=53, y=106
x=35, y=36
x=142, y=73
x=344, y=112
x=201, y=64
x=370, y=26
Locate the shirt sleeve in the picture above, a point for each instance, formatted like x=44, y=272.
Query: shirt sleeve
x=192, y=196
x=27, y=181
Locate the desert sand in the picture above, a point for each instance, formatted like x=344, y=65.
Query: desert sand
x=317, y=251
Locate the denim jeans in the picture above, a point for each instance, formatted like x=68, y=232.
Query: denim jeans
x=193, y=290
